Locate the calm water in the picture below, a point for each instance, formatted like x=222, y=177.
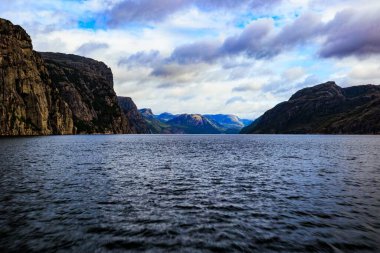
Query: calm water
x=190, y=193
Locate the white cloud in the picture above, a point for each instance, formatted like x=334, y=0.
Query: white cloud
x=198, y=87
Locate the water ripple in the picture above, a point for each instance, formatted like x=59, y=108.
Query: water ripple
x=190, y=193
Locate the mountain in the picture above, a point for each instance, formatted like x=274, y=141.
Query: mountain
x=147, y=113
x=194, y=124
x=246, y=122
x=155, y=125
x=86, y=85
x=165, y=116
x=138, y=123
x=53, y=93
x=30, y=103
x=229, y=122
x=326, y=109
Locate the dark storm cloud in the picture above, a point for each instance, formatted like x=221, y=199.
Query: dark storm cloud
x=258, y=40
x=163, y=71
x=196, y=52
x=132, y=11
x=352, y=33
x=300, y=31
x=255, y=41
x=87, y=48
x=143, y=10
x=349, y=33
x=251, y=41
x=146, y=59
x=214, y=4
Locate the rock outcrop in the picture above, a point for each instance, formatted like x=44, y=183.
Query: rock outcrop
x=326, y=109
x=86, y=85
x=29, y=102
x=136, y=119
x=53, y=93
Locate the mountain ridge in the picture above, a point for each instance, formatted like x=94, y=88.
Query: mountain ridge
x=324, y=109
x=136, y=119
x=30, y=103
x=54, y=93
x=193, y=123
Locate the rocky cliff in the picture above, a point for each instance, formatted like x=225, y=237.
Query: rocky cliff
x=134, y=116
x=29, y=102
x=86, y=85
x=325, y=108
x=53, y=93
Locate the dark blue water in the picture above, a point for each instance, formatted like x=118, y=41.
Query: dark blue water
x=190, y=193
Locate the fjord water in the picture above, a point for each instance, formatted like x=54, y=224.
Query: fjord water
x=190, y=193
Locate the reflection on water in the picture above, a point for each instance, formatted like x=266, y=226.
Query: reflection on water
x=190, y=193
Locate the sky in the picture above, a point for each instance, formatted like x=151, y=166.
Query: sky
x=238, y=57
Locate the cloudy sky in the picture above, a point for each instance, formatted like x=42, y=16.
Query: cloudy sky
x=211, y=56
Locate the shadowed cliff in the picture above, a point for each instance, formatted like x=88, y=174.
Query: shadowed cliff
x=325, y=108
x=136, y=119
x=54, y=93
x=86, y=85
x=29, y=102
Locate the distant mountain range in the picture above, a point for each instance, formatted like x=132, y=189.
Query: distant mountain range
x=193, y=123
x=325, y=109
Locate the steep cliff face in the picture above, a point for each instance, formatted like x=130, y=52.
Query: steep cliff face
x=134, y=116
x=147, y=113
x=86, y=85
x=52, y=93
x=29, y=103
x=325, y=108
x=165, y=116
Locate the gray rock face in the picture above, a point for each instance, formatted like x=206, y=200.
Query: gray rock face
x=325, y=108
x=52, y=93
x=29, y=102
x=86, y=85
x=134, y=116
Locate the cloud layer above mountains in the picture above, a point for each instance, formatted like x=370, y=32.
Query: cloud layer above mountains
x=212, y=56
